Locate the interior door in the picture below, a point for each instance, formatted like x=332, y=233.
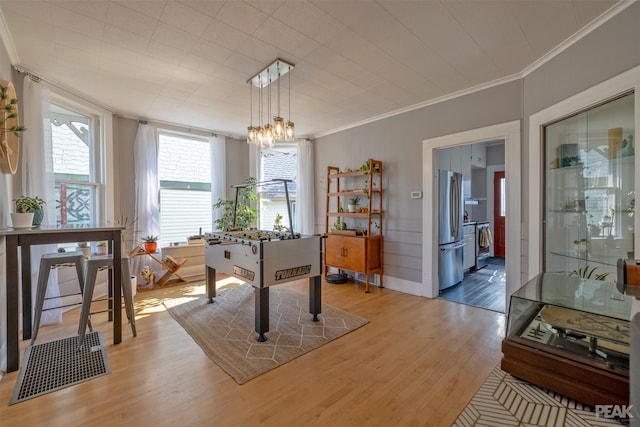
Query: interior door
x=499, y=213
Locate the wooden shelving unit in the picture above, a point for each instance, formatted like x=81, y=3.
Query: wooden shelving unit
x=170, y=264
x=354, y=239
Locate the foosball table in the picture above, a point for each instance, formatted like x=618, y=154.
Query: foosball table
x=264, y=259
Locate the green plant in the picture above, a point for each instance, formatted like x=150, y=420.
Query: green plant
x=354, y=201
x=101, y=244
x=339, y=225
x=10, y=109
x=245, y=214
x=278, y=226
x=128, y=231
x=150, y=239
x=589, y=273
x=26, y=204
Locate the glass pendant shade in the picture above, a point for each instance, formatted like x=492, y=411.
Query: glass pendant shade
x=268, y=134
x=278, y=128
x=259, y=135
x=290, y=131
x=251, y=135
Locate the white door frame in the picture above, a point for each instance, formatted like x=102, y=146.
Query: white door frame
x=510, y=133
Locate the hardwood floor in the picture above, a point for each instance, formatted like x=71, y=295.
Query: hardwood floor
x=484, y=288
x=418, y=362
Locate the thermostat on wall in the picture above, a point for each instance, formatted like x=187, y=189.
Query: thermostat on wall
x=416, y=194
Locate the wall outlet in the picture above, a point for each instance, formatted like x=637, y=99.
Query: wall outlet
x=416, y=194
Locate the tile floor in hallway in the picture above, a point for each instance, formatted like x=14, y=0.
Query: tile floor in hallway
x=483, y=288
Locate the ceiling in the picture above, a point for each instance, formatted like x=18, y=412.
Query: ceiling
x=187, y=62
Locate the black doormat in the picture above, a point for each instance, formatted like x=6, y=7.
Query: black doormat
x=58, y=364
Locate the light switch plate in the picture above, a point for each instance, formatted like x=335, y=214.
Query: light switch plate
x=416, y=194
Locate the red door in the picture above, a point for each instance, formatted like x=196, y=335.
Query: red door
x=499, y=212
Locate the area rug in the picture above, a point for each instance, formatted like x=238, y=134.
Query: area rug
x=58, y=364
x=507, y=401
x=225, y=329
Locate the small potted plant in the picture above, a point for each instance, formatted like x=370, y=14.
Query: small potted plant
x=353, y=204
x=101, y=248
x=29, y=212
x=150, y=243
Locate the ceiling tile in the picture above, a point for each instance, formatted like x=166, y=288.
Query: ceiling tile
x=207, y=7
x=241, y=16
x=308, y=19
x=130, y=20
x=150, y=8
x=174, y=37
x=224, y=34
x=69, y=20
x=94, y=9
x=125, y=39
x=67, y=38
x=184, y=17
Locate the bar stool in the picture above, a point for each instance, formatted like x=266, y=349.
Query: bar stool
x=94, y=264
x=48, y=262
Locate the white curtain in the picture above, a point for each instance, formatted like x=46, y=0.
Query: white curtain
x=218, y=174
x=37, y=179
x=147, y=213
x=305, y=194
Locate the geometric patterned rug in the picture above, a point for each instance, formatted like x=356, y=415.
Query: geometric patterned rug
x=504, y=400
x=225, y=329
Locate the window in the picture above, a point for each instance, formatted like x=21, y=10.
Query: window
x=279, y=162
x=75, y=166
x=184, y=170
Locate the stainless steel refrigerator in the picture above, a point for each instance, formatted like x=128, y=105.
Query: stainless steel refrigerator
x=450, y=235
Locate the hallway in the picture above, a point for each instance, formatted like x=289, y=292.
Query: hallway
x=484, y=288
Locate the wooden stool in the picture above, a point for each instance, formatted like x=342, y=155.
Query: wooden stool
x=47, y=262
x=94, y=264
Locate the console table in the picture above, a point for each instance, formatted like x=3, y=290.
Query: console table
x=24, y=239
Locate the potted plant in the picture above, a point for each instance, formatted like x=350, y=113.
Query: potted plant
x=150, y=243
x=101, y=248
x=29, y=212
x=353, y=204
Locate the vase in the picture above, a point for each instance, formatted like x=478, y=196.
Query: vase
x=22, y=219
x=352, y=208
x=38, y=216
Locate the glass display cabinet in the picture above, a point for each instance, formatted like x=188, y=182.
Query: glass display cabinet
x=571, y=335
x=589, y=184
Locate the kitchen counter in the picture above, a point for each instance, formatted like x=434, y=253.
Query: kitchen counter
x=469, y=223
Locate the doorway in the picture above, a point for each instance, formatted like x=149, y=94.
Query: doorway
x=510, y=133
x=484, y=279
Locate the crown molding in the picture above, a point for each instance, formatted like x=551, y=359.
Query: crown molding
x=7, y=40
x=420, y=105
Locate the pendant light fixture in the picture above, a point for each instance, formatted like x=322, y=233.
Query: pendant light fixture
x=267, y=132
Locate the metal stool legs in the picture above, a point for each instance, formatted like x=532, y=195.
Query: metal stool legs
x=94, y=264
x=47, y=262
